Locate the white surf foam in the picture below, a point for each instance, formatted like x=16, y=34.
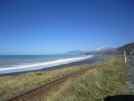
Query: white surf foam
x=42, y=65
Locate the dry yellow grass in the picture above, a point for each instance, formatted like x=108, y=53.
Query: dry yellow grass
x=105, y=79
x=14, y=85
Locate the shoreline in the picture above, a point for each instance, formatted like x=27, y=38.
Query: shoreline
x=43, y=65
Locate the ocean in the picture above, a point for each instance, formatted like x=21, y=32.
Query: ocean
x=13, y=60
x=23, y=63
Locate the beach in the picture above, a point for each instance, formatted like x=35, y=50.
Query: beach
x=42, y=65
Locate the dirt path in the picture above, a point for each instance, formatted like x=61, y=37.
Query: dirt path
x=40, y=94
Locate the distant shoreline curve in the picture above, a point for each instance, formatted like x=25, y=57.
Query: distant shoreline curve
x=42, y=65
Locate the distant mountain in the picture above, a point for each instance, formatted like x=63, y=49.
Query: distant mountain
x=75, y=53
x=129, y=48
x=106, y=51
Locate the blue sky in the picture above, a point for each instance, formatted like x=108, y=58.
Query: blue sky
x=58, y=26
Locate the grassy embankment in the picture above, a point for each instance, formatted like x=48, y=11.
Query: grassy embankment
x=103, y=80
x=15, y=85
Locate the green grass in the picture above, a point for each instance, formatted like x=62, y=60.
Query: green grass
x=11, y=86
x=104, y=80
x=101, y=80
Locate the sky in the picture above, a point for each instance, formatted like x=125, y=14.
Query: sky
x=58, y=26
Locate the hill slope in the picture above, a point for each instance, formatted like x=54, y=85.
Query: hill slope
x=101, y=81
x=128, y=47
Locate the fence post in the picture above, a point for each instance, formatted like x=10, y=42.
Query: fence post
x=125, y=57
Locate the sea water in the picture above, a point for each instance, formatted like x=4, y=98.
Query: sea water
x=24, y=63
x=13, y=60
